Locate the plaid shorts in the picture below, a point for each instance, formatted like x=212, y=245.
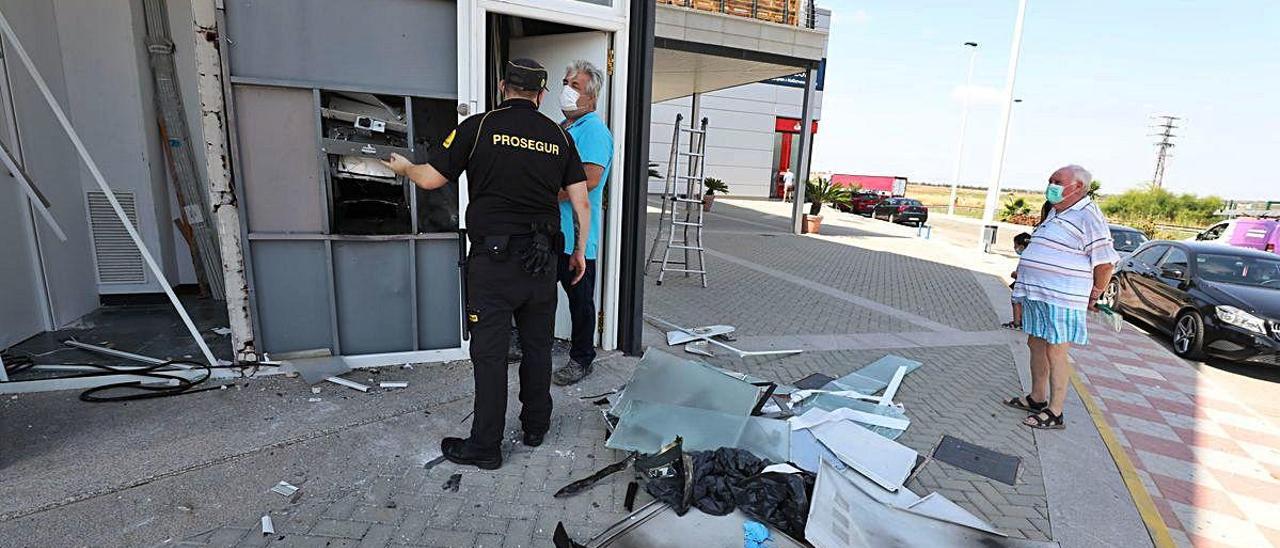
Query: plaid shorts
x=1054, y=324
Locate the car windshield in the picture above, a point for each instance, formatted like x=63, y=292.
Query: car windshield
x=1236, y=269
x=911, y=202
x=1127, y=240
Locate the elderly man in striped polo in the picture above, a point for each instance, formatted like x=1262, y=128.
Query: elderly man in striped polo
x=1060, y=276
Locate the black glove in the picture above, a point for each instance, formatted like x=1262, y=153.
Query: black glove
x=537, y=257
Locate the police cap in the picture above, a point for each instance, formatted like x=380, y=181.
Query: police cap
x=526, y=74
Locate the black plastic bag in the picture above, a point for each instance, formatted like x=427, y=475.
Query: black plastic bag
x=780, y=500
x=717, y=476
x=717, y=482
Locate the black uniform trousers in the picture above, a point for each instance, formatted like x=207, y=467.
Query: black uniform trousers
x=582, y=310
x=500, y=289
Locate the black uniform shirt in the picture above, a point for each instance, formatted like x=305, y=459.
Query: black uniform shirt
x=516, y=160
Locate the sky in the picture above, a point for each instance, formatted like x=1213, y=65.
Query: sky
x=1091, y=76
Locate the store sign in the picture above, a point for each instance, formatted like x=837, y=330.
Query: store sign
x=791, y=125
x=797, y=80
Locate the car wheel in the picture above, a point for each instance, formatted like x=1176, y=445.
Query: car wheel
x=1188, y=336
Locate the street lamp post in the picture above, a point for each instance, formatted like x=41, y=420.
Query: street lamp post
x=964, y=123
x=1002, y=138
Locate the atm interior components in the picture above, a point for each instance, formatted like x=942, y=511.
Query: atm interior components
x=359, y=130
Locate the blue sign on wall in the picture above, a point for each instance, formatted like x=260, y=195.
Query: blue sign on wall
x=797, y=80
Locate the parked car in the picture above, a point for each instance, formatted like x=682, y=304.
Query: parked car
x=1212, y=299
x=901, y=210
x=1126, y=239
x=861, y=203
x=1262, y=234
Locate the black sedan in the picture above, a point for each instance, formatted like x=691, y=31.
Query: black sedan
x=1212, y=299
x=901, y=210
x=1126, y=239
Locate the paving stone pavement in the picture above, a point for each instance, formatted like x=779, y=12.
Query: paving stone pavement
x=956, y=392
x=509, y=507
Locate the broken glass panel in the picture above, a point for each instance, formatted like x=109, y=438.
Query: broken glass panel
x=886, y=462
x=646, y=426
x=832, y=402
x=843, y=515
x=663, y=378
x=874, y=377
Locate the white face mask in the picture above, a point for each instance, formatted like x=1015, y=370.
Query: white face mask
x=569, y=99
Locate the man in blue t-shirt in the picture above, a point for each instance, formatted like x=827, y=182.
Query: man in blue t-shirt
x=582, y=84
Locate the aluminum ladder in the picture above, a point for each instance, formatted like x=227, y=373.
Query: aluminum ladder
x=682, y=214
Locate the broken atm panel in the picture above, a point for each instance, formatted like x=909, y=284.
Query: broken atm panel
x=358, y=130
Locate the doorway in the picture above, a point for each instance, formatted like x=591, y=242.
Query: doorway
x=786, y=151
x=555, y=46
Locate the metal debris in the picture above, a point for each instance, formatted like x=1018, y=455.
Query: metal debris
x=287, y=490
x=433, y=462
x=393, y=384
x=680, y=337
x=587, y=482
x=700, y=348
x=268, y=528
x=739, y=352
x=349, y=384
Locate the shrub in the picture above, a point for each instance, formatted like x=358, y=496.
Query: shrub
x=1015, y=207
x=1160, y=205
x=822, y=191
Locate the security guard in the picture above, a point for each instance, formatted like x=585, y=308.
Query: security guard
x=517, y=160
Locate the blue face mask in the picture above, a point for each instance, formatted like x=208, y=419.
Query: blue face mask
x=1053, y=193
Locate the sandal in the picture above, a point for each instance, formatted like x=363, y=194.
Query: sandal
x=1045, y=420
x=1025, y=403
x=1012, y=325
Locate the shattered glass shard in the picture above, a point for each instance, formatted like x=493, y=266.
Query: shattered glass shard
x=832, y=402
x=646, y=426
x=875, y=376
x=663, y=378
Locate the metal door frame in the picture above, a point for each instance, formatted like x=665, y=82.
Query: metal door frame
x=472, y=15
x=229, y=84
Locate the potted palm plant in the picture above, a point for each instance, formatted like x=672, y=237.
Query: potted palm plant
x=821, y=191
x=713, y=185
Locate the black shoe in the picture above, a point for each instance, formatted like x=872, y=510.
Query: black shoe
x=570, y=373
x=533, y=440
x=458, y=451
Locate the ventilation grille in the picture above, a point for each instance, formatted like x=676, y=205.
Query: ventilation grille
x=118, y=260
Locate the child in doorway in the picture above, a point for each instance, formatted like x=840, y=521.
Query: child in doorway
x=1019, y=244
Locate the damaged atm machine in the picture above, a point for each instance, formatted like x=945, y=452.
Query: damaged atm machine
x=342, y=257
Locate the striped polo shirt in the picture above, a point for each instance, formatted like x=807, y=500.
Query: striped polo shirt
x=1057, y=266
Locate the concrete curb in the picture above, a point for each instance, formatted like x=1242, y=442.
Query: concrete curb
x=1141, y=498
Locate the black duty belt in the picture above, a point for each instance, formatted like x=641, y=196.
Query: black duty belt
x=536, y=249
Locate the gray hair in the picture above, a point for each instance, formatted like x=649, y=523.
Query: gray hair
x=595, y=78
x=1079, y=174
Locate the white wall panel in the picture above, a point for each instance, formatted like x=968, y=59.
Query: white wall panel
x=52, y=162
x=741, y=133
x=110, y=104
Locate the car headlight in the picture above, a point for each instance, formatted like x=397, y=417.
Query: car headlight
x=1239, y=318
